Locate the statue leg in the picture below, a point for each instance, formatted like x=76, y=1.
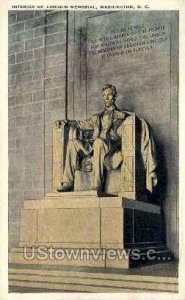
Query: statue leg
x=100, y=150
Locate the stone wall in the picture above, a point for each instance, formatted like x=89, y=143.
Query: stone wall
x=37, y=51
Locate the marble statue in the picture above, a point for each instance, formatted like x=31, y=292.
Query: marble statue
x=105, y=142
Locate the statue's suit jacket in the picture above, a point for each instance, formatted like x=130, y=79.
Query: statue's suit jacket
x=147, y=143
x=94, y=123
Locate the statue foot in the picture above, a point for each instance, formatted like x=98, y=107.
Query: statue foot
x=66, y=187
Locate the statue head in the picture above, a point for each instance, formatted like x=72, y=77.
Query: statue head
x=109, y=95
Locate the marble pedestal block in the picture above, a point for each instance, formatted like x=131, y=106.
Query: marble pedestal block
x=83, y=220
x=75, y=220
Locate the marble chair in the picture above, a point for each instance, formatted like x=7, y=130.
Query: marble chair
x=120, y=168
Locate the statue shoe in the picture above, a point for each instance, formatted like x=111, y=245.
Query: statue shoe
x=66, y=187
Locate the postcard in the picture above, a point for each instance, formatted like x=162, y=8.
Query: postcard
x=92, y=143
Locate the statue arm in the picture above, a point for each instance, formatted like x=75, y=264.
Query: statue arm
x=82, y=124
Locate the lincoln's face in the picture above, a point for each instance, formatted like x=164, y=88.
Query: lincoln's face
x=108, y=97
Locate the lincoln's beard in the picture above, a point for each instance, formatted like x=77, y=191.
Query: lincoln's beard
x=108, y=104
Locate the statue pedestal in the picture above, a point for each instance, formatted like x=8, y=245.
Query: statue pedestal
x=83, y=220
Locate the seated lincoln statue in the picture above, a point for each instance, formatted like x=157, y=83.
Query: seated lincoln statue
x=101, y=150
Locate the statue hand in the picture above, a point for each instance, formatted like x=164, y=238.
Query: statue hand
x=60, y=123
